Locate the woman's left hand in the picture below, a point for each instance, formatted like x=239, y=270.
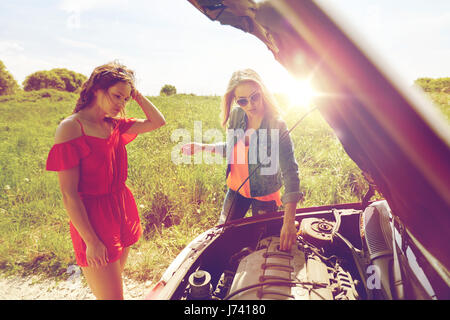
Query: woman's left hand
x=288, y=235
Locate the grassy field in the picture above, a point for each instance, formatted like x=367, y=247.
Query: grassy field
x=176, y=202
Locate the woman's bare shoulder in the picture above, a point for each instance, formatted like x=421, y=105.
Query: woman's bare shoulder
x=68, y=129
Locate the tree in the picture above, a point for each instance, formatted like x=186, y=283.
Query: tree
x=168, y=90
x=8, y=85
x=59, y=79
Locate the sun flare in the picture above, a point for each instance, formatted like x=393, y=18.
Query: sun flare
x=299, y=92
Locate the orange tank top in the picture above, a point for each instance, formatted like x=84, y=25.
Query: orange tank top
x=239, y=172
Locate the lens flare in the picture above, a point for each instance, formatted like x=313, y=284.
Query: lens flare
x=300, y=93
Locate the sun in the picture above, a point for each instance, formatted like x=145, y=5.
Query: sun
x=300, y=92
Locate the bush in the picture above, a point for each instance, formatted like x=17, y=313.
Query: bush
x=8, y=85
x=43, y=80
x=72, y=80
x=59, y=79
x=434, y=85
x=168, y=90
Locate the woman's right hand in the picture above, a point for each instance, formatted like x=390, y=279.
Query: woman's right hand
x=96, y=254
x=190, y=149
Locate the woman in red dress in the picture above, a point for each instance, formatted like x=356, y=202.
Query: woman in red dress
x=90, y=157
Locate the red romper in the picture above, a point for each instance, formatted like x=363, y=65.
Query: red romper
x=109, y=203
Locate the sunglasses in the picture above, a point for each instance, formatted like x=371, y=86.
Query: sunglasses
x=254, y=98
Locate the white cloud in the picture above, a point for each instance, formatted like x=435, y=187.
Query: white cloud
x=77, y=44
x=10, y=47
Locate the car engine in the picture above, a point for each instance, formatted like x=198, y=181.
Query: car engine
x=267, y=273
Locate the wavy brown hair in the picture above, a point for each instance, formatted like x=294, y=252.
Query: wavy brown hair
x=103, y=77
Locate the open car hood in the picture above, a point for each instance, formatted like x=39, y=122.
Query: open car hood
x=393, y=133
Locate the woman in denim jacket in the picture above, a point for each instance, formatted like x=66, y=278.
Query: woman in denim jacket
x=259, y=144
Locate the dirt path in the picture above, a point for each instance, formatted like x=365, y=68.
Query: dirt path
x=33, y=288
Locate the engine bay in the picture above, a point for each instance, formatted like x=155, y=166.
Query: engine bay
x=314, y=269
x=269, y=273
x=342, y=252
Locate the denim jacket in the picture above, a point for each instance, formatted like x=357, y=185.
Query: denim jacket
x=266, y=147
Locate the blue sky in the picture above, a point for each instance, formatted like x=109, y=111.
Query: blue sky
x=171, y=42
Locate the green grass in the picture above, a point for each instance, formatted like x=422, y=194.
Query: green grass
x=176, y=202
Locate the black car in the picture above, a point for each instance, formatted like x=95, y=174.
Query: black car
x=397, y=248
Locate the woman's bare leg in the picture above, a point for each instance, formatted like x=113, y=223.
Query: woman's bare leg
x=105, y=282
x=123, y=258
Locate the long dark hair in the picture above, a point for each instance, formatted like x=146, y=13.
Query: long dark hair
x=103, y=77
